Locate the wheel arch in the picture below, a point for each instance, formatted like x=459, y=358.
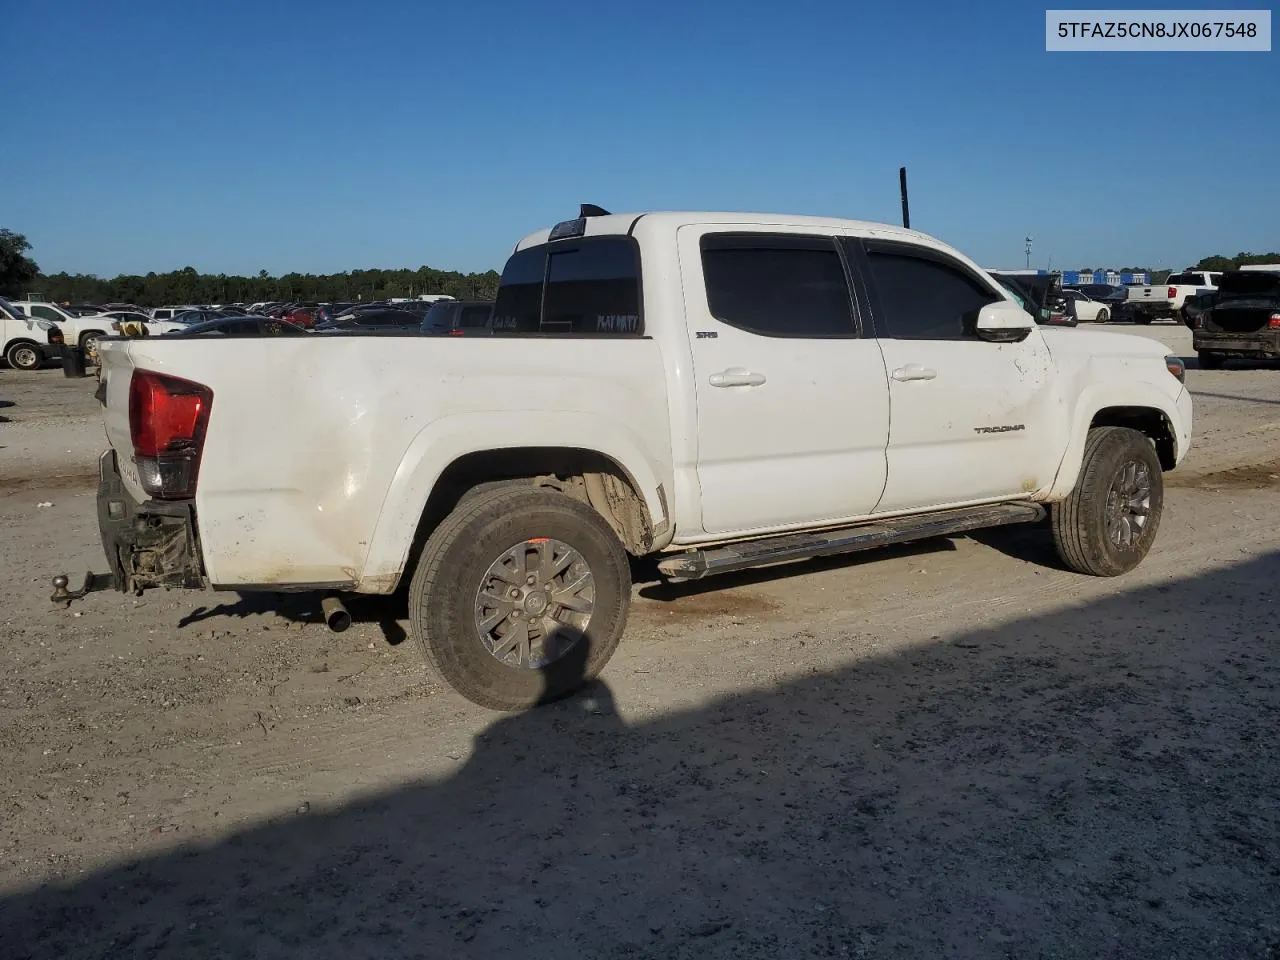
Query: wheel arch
x=1141, y=407
x=40, y=348
x=613, y=476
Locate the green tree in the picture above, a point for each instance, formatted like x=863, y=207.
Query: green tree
x=16, y=268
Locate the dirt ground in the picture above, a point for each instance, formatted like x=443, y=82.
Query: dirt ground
x=954, y=749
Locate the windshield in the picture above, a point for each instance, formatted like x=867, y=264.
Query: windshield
x=8, y=309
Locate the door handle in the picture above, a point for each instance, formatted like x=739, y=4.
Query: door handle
x=913, y=371
x=736, y=377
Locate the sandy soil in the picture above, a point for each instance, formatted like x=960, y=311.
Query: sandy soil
x=951, y=749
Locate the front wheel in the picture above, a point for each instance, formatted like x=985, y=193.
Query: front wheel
x=520, y=597
x=24, y=356
x=1106, y=526
x=1102, y=316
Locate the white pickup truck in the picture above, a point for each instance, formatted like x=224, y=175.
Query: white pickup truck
x=717, y=391
x=81, y=331
x=1189, y=283
x=26, y=342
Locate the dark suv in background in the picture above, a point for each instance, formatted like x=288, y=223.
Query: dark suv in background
x=458, y=317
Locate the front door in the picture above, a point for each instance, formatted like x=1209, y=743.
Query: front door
x=792, y=400
x=969, y=417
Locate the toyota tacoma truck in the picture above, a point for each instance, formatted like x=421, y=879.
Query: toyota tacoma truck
x=714, y=391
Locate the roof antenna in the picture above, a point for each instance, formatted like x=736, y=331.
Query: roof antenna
x=902, y=186
x=591, y=210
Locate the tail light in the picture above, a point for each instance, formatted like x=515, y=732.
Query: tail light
x=167, y=422
x=1173, y=292
x=1274, y=321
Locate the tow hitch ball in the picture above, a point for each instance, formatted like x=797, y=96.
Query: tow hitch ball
x=93, y=582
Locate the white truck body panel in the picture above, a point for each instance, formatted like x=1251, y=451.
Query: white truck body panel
x=322, y=452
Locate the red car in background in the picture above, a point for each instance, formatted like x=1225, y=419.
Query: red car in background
x=304, y=317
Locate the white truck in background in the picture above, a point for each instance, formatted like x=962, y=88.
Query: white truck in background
x=712, y=390
x=26, y=342
x=1189, y=283
x=77, y=331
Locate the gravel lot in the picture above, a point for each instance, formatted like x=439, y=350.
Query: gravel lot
x=951, y=749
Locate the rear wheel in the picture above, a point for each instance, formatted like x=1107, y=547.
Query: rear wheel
x=1106, y=526
x=1210, y=361
x=24, y=356
x=520, y=597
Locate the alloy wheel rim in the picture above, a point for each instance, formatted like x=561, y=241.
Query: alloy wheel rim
x=534, y=603
x=1129, y=504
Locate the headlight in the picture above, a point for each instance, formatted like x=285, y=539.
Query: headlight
x=1175, y=366
x=45, y=324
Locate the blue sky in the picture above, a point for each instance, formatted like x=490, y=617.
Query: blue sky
x=320, y=136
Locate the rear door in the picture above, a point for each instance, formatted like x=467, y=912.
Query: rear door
x=792, y=399
x=968, y=416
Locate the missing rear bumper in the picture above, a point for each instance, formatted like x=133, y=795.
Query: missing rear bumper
x=148, y=544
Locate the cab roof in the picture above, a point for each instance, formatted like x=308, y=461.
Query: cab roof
x=606, y=224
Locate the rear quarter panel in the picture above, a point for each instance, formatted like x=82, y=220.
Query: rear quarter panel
x=321, y=451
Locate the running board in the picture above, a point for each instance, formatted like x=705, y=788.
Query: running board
x=783, y=548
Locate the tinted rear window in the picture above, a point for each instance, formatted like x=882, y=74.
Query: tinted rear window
x=588, y=287
x=1186, y=280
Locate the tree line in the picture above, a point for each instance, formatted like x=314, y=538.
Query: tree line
x=20, y=275
x=189, y=286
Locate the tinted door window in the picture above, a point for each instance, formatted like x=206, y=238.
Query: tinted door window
x=777, y=286
x=45, y=313
x=922, y=298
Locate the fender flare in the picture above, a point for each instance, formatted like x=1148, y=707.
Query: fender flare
x=443, y=441
x=1093, y=400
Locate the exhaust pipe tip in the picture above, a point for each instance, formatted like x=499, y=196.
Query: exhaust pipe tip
x=336, y=616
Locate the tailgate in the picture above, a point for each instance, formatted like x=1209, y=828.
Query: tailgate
x=116, y=370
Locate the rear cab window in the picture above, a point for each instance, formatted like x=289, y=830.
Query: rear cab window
x=589, y=286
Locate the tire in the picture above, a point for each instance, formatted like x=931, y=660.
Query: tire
x=1088, y=539
x=1141, y=319
x=1102, y=316
x=24, y=356
x=454, y=579
x=1210, y=361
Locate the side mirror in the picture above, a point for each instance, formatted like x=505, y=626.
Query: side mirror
x=1003, y=322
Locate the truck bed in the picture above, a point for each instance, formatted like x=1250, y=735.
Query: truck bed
x=313, y=443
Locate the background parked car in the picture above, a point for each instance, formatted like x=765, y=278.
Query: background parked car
x=1189, y=283
x=1087, y=309
x=78, y=331
x=168, y=313
x=27, y=342
x=240, y=326
x=1243, y=320
x=373, y=320
x=1115, y=298
x=450, y=316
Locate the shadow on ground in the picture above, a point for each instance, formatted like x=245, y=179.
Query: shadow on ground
x=1100, y=782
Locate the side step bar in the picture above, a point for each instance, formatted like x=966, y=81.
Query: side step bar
x=787, y=547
